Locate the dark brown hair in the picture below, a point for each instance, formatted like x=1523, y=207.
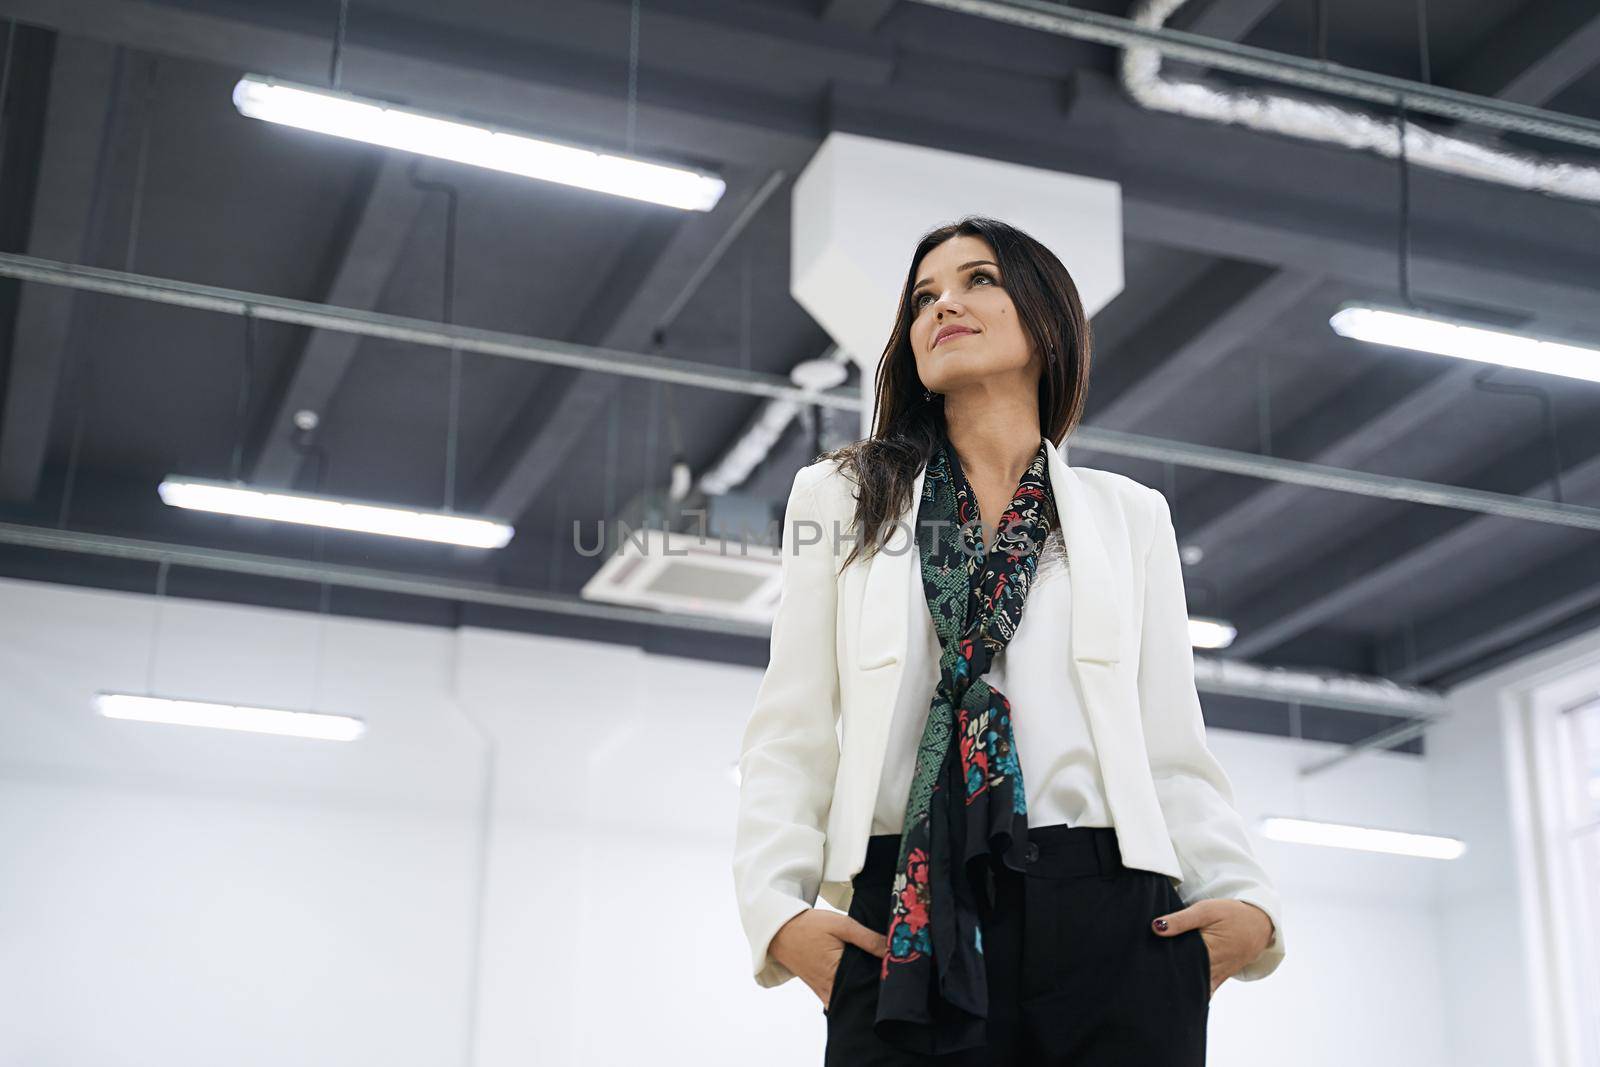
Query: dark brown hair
x=907, y=428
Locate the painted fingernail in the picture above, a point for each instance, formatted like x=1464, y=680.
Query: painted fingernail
x=1160, y=924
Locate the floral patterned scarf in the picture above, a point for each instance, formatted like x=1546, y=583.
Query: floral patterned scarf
x=967, y=809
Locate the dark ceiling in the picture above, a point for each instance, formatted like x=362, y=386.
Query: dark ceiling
x=122, y=149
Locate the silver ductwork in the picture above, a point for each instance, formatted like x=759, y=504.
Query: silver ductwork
x=767, y=426
x=1280, y=113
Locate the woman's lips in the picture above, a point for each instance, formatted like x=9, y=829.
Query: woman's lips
x=940, y=339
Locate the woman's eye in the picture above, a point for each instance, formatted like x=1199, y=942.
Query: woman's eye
x=918, y=303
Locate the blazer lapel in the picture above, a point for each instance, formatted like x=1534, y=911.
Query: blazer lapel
x=882, y=625
x=1096, y=615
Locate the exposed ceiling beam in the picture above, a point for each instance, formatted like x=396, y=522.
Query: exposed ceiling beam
x=857, y=14
x=1188, y=338
x=626, y=315
x=1361, y=422
x=1353, y=243
x=1228, y=20
x=95, y=113
x=1534, y=54
x=383, y=223
x=1368, y=562
x=741, y=42
x=1210, y=317
x=29, y=54
x=1520, y=608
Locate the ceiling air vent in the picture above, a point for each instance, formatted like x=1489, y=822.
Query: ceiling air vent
x=719, y=559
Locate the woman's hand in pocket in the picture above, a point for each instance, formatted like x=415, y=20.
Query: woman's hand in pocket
x=1235, y=932
x=811, y=943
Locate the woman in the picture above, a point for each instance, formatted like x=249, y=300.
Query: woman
x=1038, y=855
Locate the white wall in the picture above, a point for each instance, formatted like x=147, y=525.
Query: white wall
x=178, y=896
x=1500, y=983
x=181, y=896
x=1360, y=982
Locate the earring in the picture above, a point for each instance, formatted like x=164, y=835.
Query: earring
x=927, y=395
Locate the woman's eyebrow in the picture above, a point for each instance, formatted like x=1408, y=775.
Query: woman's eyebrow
x=964, y=266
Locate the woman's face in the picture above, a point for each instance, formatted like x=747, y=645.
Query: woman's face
x=958, y=284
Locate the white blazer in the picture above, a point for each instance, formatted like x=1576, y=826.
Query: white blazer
x=813, y=749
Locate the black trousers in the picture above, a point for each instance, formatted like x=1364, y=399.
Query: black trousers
x=1076, y=975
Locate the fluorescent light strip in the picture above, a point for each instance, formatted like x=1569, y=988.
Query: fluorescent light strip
x=198, y=494
x=1210, y=633
x=376, y=122
x=1450, y=337
x=310, y=724
x=1363, y=838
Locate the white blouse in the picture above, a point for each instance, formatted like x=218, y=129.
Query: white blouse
x=1060, y=769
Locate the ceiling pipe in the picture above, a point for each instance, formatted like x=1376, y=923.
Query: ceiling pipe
x=753, y=383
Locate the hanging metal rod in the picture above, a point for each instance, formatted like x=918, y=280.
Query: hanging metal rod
x=347, y=577
x=1284, y=68
x=737, y=380
x=1395, y=735
x=1336, y=479
x=416, y=331
x=1353, y=693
